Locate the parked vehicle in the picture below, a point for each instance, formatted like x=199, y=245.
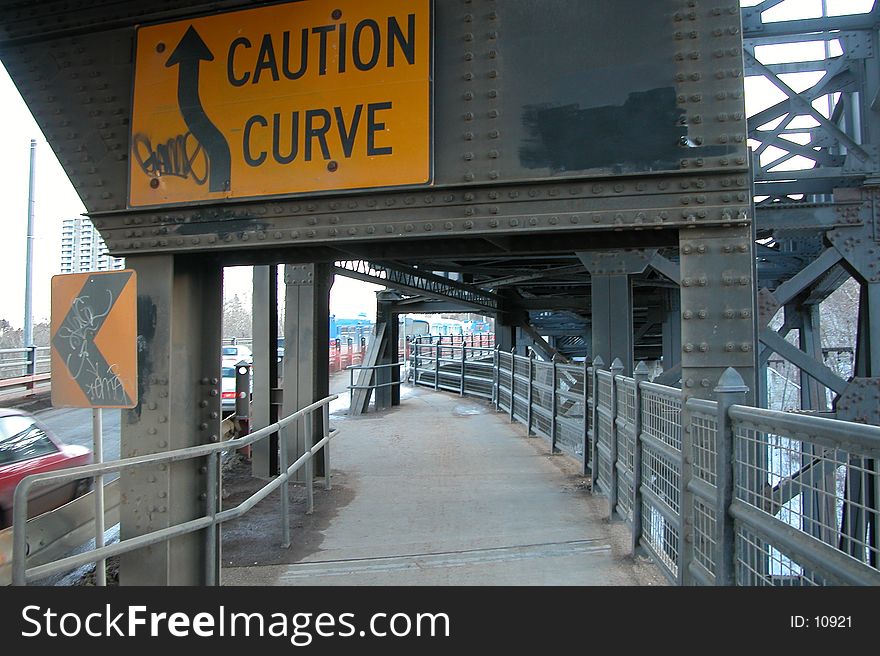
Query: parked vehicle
x=28, y=447
x=234, y=353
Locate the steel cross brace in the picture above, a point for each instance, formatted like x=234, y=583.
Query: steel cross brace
x=415, y=281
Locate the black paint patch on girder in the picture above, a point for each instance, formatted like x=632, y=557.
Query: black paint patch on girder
x=644, y=134
x=146, y=333
x=222, y=227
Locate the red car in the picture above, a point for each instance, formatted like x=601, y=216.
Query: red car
x=27, y=447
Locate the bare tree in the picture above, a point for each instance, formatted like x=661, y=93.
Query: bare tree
x=237, y=320
x=839, y=316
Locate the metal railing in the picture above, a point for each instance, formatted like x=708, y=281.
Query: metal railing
x=368, y=387
x=550, y=398
x=213, y=515
x=24, y=366
x=768, y=498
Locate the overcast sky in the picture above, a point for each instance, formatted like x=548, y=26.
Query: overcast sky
x=56, y=198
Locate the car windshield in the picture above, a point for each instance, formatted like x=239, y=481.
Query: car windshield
x=21, y=439
x=230, y=350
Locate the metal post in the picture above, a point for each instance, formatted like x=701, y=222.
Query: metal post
x=731, y=390
x=98, y=457
x=553, y=409
x=640, y=375
x=29, y=258
x=306, y=336
x=326, y=449
x=512, y=381
x=585, y=451
x=594, y=419
x=616, y=370
x=414, y=377
x=243, y=395
x=437, y=364
x=285, y=492
x=463, y=356
x=31, y=367
x=310, y=467
x=212, y=507
x=496, y=377
x=531, y=372
x=264, y=410
x=611, y=297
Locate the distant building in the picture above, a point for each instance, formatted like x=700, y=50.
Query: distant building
x=82, y=248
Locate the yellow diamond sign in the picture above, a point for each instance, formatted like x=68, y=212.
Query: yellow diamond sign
x=295, y=98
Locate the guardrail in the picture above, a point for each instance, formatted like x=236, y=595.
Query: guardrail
x=24, y=366
x=767, y=498
x=21, y=574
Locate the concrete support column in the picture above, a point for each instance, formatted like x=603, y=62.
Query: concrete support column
x=180, y=303
x=612, y=319
x=264, y=455
x=306, y=340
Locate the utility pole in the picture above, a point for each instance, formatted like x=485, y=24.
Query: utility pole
x=29, y=263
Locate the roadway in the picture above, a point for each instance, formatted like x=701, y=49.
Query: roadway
x=74, y=426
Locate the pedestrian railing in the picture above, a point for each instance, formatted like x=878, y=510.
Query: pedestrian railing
x=378, y=376
x=717, y=492
x=212, y=517
x=452, y=364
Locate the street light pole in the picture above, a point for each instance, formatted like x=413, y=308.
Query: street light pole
x=29, y=263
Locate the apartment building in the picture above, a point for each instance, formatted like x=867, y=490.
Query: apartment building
x=82, y=248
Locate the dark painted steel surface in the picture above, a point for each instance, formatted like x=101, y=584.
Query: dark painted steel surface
x=523, y=92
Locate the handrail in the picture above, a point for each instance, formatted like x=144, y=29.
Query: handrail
x=21, y=575
x=831, y=433
x=377, y=366
x=352, y=368
x=745, y=465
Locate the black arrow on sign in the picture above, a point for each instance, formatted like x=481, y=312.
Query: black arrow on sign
x=75, y=340
x=188, y=55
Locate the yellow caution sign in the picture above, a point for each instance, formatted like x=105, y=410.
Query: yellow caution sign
x=94, y=340
x=294, y=98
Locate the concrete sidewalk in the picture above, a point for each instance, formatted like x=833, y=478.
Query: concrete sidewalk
x=445, y=491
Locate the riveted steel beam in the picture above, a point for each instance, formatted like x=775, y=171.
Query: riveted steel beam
x=423, y=283
x=507, y=143
x=179, y=329
x=306, y=335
